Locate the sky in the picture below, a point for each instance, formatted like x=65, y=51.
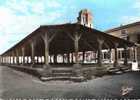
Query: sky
x=18, y=18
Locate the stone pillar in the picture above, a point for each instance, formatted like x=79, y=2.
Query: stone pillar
x=116, y=55
x=125, y=56
x=100, y=43
x=23, y=55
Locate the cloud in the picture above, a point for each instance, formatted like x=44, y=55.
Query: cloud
x=132, y=17
x=53, y=4
x=129, y=19
x=19, y=18
x=136, y=4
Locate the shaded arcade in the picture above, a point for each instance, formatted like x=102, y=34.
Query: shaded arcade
x=57, y=46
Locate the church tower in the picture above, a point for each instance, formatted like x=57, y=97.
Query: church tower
x=85, y=18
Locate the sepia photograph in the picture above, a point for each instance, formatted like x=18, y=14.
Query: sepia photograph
x=69, y=49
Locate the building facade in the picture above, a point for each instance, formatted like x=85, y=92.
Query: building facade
x=130, y=32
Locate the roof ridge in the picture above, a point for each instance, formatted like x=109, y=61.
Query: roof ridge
x=123, y=26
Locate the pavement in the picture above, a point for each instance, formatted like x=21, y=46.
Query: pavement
x=19, y=85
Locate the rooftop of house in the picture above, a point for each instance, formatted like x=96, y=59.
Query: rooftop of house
x=122, y=27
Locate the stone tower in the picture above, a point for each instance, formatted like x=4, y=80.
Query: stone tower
x=85, y=18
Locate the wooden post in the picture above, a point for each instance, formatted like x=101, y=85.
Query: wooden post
x=5, y=59
x=33, y=53
x=47, y=68
x=135, y=53
x=68, y=58
x=100, y=43
x=72, y=57
x=83, y=56
x=23, y=55
x=116, y=55
x=13, y=57
x=125, y=56
x=110, y=56
x=9, y=58
x=17, y=56
x=46, y=40
x=50, y=58
x=77, y=67
x=63, y=59
x=76, y=45
x=0, y=60
x=46, y=54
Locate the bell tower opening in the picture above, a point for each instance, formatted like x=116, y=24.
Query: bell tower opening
x=85, y=18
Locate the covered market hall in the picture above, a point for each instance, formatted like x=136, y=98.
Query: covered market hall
x=62, y=50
